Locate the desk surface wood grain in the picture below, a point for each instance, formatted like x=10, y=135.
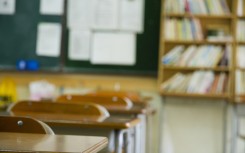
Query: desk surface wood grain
x=22, y=142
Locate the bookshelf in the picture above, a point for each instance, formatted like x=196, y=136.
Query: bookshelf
x=202, y=33
x=239, y=66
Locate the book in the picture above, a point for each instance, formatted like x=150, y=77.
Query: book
x=216, y=7
x=214, y=86
x=183, y=86
x=240, y=7
x=240, y=56
x=199, y=82
x=206, y=83
x=221, y=82
x=225, y=7
x=197, y=56
x=183, y=29
x=173, y=55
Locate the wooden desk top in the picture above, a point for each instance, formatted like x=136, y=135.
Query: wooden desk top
x=79, y=121
x=22, y=142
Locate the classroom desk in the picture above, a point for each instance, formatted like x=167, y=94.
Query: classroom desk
x=143, y=133
x=23, y=142
x=119, y=125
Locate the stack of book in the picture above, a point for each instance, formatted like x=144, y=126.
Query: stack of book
x=240, y=82
x=198, y=56
x=200, y=82
x=215, y=7
x=183, y=29
x=241, y=56
x=240, y=31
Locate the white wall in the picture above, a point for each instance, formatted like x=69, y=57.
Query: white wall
x=193, y=126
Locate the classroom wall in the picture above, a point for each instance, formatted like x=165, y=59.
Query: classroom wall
x=193, y=126
x=95, y=81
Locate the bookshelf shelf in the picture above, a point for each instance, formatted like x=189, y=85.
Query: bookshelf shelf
x=241, y=17
x=198, y=16
x=197, y=42
x=240, y=98
x=177, y=32
x=241, y=42
x=196, y=95
x=240, y=68
x=181, y=68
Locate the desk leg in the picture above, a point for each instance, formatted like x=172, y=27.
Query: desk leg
x=129, y=141
x=141, y=135
x=111, y=144
x=138, y=139
x=119, y=140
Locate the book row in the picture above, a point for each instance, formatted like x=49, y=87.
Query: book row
x=198, y=56
x=241, y=56
x=240, y=82
x=240, y=31
x=198, y=82
x=240, y=7
x=183, y=29
x=211, y=7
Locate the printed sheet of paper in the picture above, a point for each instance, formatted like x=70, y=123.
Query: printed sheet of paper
x=49, y=39
x=114, y=48
x=79, y=45
x=7, y=7
x=52, y=7
x=79, y=14
x=105, y=14
x=132, y=15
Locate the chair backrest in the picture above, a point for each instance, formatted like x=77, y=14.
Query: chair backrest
x=110, y=102
x=23, y=125
x=134, y=96
x=86, y=110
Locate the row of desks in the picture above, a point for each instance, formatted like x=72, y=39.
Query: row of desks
x=120, y=125
x=122, y=122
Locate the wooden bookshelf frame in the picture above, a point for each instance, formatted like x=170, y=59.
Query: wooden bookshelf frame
x=166, y=71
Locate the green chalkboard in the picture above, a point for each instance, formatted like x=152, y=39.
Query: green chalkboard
x=146, y=53
x=18, y=34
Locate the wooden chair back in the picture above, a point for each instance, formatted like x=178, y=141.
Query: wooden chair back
x=88, y=110
x=134, y=96
x=23, y=125
x=112, y=102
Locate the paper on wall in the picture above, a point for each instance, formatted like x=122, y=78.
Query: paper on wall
x=79, y=14
x=115, y=48
x=7, y=7
x=49, y=39
x=41, y=90
x=52, y=7
x=105, y=14
x=131, y=15
x=79, y=45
